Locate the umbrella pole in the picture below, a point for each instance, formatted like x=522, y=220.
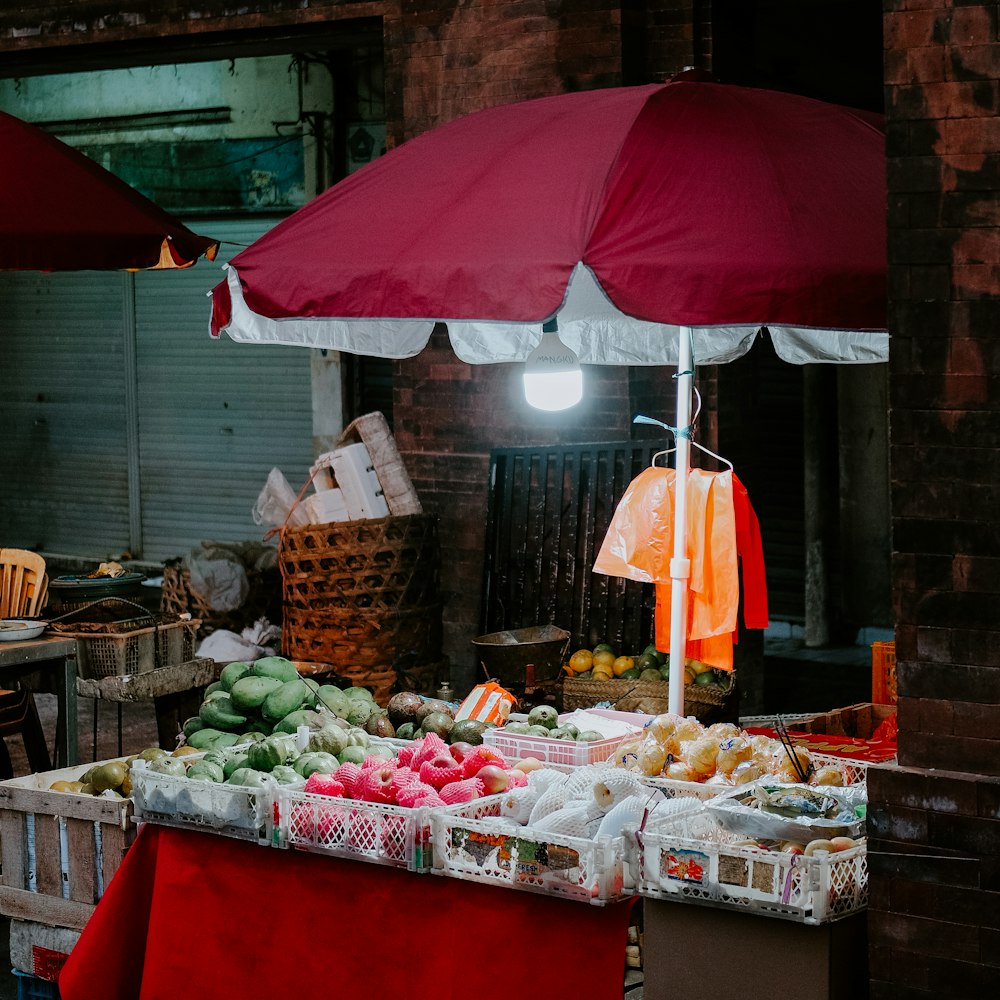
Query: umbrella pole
x=680, y=565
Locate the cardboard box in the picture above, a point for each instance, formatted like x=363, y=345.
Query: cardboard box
x=701, y=951
x=856, y=721
x=40, y=950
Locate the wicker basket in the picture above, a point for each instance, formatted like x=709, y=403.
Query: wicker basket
x=354, y=640
x=382, y=563
x=113, y=654
x=707, y=702
x=116, y=637
x=263, y=600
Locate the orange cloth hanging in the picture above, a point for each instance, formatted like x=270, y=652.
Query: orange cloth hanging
x=723, y=536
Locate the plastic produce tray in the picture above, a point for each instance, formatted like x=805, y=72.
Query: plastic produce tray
x=514, y=746
x=349, y=828
x=692, y=857
x=472, y=841
x=238, y=811
x=855, y=771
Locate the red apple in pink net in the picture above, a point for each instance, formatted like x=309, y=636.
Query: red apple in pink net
x=460, y=750
x=495, y=779
x=440, y=770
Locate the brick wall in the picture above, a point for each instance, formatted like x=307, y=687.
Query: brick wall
x=935, y=821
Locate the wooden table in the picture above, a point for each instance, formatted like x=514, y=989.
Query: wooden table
x=175, y=691
x=57, y=654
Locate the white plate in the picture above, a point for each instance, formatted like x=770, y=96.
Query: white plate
x=20, y=629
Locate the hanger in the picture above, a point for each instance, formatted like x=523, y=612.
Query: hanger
x=685, y=432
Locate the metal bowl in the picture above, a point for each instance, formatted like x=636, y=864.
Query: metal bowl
x=507, y=655
x=21, y=629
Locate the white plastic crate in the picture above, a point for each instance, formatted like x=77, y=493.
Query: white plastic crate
x=238, y=811
x=692, y=857
x=515, y=746
x=358, y=482
x=472, y=841
x=349, y=828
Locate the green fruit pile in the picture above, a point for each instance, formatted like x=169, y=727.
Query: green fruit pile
x=543, y=720
x=252, y=701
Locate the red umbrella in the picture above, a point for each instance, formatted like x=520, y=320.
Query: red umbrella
x=623, y=217
x=61, y=211
x=619, y=211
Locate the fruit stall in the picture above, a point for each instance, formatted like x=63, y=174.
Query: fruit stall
x=326, y=817
x=293, y=791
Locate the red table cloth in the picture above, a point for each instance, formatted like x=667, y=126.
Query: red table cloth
x=204, y=917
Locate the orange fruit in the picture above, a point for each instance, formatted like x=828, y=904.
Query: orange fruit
x=604, y=661
x=621, y=664
x=581, y=661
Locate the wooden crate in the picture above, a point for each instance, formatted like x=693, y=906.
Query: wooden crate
x=856, y=721
x=51, y=840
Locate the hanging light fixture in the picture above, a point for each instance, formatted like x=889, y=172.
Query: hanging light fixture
x=553, y=379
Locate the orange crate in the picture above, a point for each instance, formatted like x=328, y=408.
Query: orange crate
x=884, y=673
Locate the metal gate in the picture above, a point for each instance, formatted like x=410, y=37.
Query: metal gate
x=549, y=510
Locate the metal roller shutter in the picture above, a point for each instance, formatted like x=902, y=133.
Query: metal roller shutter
x=202, y=422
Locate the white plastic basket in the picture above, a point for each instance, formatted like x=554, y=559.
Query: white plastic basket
x=238, y=811
x=472, y=841
x=348, y=828
x=515, y=746
x=692, y=857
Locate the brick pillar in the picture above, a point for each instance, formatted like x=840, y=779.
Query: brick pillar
x=934, y=822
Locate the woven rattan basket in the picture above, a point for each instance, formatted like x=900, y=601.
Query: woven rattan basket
x=704, y=701
x=384, y=563
x=357, y=641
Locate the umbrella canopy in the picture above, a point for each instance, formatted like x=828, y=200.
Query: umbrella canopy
x=651, y=225
x=61, y=211
x=624, y=212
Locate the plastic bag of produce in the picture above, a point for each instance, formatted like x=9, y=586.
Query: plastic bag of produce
x=772, y=811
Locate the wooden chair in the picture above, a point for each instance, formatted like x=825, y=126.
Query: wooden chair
x=23, y=591
x=23, y=583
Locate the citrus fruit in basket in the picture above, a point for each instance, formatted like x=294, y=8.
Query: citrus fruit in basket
x=604, y=661
x=581, y=661
x=621, y=664
x=603, y=647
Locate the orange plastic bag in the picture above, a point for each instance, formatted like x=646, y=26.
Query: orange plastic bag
x=639, y=543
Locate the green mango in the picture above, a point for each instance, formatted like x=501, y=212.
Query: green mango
x=284, y=700
x=232, y=672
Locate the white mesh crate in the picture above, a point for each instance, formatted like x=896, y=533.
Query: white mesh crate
x=349, y=828
x=472, y=841
x=692, y=857
x=574, y=753
x=238, y=811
